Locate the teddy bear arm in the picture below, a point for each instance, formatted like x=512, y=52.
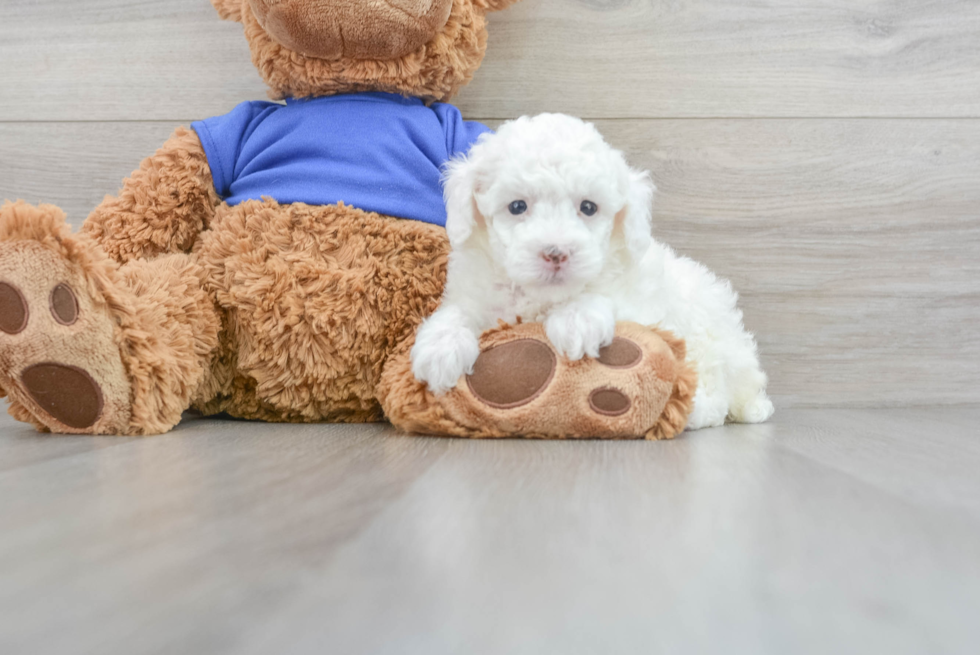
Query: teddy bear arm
x=162, y=206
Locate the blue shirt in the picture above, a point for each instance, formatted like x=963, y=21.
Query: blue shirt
x=378, y=152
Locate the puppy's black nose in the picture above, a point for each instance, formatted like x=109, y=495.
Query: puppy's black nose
x=554, y=255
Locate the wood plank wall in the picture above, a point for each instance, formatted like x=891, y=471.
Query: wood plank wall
x=824, y=155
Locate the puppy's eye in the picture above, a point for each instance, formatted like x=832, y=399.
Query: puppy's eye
x=588, y=208
x=517, y=207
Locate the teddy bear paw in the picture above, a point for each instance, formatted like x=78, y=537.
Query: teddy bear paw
x=639, y=386
x=59, y=363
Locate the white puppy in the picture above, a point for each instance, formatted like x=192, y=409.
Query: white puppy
x=547, y=222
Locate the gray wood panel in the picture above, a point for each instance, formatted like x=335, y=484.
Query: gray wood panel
x=73, y=165
x=134, y=60
x=823, y=531
x=854, y=243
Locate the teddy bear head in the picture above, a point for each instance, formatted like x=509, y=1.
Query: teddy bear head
x=422, y=48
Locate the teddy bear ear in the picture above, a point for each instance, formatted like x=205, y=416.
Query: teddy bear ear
x=229, y=9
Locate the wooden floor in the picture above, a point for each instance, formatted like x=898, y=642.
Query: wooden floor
x=825, y=531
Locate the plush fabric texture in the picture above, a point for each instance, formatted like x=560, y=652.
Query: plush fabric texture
x=378, y=152
x=332, y=29
x=162, y=207
x=316, y=299
x=434, y=72
x=168, y=341
x=612, y=397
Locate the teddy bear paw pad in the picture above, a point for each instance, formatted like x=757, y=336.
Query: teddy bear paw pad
x=621, y=353
x=610, y=402
x=13, y=309
x=67, y=393
x=512, y=374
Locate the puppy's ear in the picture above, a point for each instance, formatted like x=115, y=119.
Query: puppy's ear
x=229, y=9
x=462, y=215
x=634, y=220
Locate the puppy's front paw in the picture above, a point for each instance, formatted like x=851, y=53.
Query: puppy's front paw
x=582, y=327
x=442, y=353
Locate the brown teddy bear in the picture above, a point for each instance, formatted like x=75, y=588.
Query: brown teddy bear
x=274, y=263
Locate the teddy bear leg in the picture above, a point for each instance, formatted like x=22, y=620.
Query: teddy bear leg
x=89, y=347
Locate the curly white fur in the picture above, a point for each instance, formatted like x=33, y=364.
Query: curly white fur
x=579, y=274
